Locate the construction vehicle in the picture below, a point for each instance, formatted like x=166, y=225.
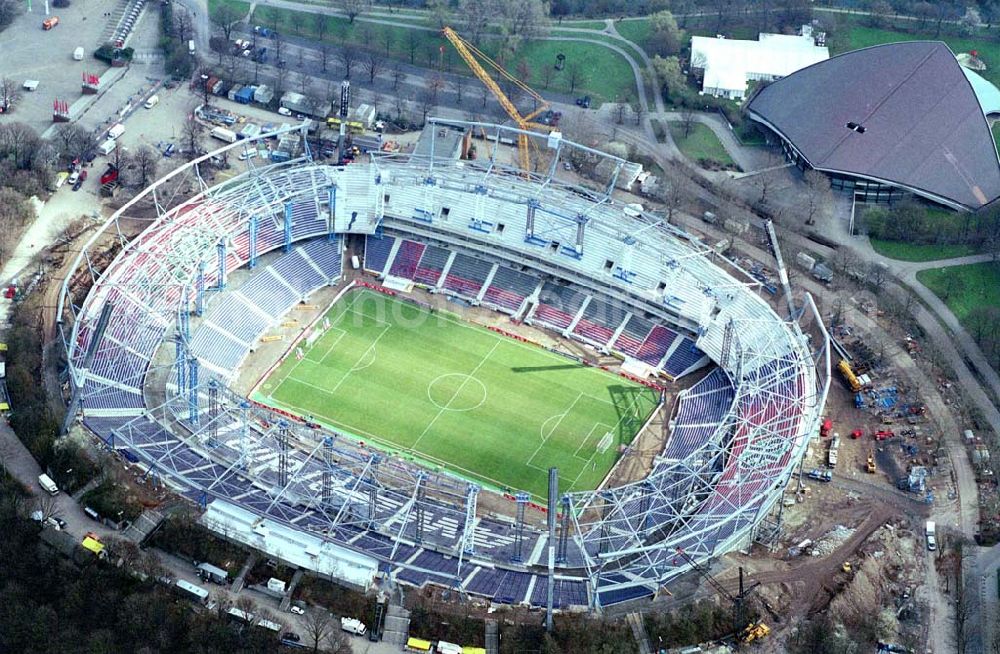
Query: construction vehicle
x=738, y=601
x=884, y=434
x=824, y=429
x=871, y=462
x=848, y=374
x=754, y=631
x=472, y=57
x=834, y=447
x=50, y=22
x=856, y=434
x=846, y=567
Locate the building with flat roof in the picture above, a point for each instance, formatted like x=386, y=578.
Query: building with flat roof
x=888, y=121
x=728, y=65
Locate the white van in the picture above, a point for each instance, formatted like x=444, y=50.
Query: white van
x=152, y=101
x=46, y=482
x=78, y=54
x=355, y=262
x=107, y=147
x=191, y=47
x=443, y=647
x=353, y=626
x=116, y=130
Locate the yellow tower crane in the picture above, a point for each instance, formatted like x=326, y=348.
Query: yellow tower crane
x=472, y=56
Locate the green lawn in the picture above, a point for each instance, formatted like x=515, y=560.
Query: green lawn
x=963, y=288
x=914, y=252
x=448, y=393
x=863, y=36
x=606, y=74
x=701, y=145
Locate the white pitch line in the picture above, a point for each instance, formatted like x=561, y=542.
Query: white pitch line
x=458, y=390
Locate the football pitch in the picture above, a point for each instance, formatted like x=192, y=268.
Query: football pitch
x=452, y=394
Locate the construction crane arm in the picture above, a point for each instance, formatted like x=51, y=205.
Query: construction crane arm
x=472, y=56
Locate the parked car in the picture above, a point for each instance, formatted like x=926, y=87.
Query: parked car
x=297, y=610
x=292, y=636
x=284, y=111
x=583, y=102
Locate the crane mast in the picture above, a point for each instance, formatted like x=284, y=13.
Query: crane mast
x=472, y=56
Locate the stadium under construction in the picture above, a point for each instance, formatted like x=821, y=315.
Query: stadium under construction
x=156, y=333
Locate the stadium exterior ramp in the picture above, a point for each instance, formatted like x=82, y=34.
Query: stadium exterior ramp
x=736, y=437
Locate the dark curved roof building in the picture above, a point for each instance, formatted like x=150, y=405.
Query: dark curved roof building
x=886, y=120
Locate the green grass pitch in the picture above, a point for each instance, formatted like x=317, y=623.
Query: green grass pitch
x=452, y=394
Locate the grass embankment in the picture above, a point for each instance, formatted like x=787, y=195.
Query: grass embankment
x=701, y=145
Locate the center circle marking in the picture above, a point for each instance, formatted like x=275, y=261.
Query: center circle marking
x=456, y=391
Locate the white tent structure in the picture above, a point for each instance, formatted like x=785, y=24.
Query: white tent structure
x=728, y=64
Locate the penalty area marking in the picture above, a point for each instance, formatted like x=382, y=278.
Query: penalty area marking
x=602, y=445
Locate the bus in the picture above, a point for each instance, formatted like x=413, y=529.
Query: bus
x=353, y=126
x=192, y=592
x=270, y=626
x=240, y=614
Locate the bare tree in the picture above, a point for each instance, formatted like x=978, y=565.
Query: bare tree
x=144, y=162
x=225, y=16
x=687, y=120
x=547, y=73
x=398, y=76
x=319, y=626
x=434, y=86
x=280, y=78
x=279, y=42
x=353, y=8
x=398, y=104
x=373, y=65
x=347, y=56
x=324, y=55
x=638, y=111
x=183, y=26
x=387, y=40
x=426, y=104
x=320, y=26
x=620, y=110
x=191, y=135
x=484, y=91
x=575, y=75
x=48, y=507
x=412, y=43
x=819, y=195
x=460, y=83
x=297, y=19
x=9, y=94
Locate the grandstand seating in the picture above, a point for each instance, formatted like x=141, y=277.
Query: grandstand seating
x=682, y=358
x=377, y=251
x=599, y=321
x=467, y=275
x=407, y=259
x=771, y=397
x=509, y=288
x=656, y=345
x=632, y=336
x=431, y=265
x=557, y=305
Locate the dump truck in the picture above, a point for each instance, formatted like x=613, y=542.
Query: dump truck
x=50, y=22
x=871, y=462
x=848, y=374
x=834, y=447
x=930, y=533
